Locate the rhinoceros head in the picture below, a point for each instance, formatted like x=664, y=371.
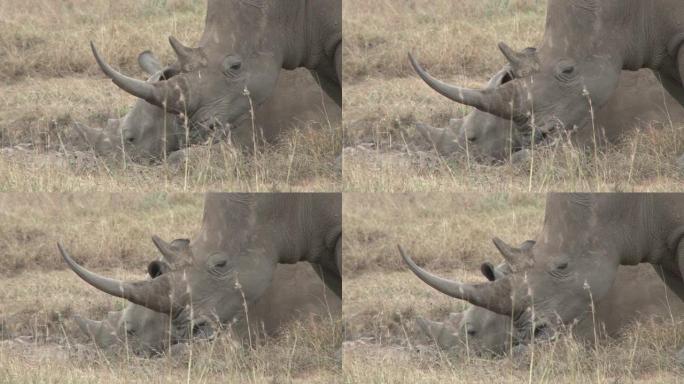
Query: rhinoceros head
x=484, y=136
x=141, y=330
x=198, y=284
x=576, y=69
x=555, y=282
x=138, y=328
x=235, y=66
x=476, y=329
x=146, y=132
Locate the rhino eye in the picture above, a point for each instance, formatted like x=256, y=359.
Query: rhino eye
x=221, y=264
x=232, y=65
x=565, y=71
x=562, y=266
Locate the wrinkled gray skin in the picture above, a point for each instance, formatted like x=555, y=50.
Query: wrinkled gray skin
x=586, y=44
x=148, y=134
x=638, y=101
x=244, y=46
x=637, y=295
x=296, y=293
x=585, y=238
x=232, y=259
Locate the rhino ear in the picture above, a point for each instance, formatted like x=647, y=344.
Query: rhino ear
x=455, y=318
x=456, y=124
x=500, y=78
x=181, y=245
x=527, y=245
x=432, y=329
x=149, y=63
x=87, y=326
x=487, y=270
x=158, y=268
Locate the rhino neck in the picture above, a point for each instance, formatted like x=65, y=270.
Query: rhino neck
x=644, y=34
x=627, y=228
x=288, y=228
x=317, y=32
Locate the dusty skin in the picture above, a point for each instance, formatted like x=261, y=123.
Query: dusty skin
x=49, y=81
x=453, y=234
x=457, y=42
x=40, y=342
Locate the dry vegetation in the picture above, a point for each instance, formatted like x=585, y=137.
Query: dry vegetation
x=110, y=233
x=451, y=234
x=49, y=80
x=456, y=41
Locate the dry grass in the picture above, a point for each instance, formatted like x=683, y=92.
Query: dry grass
x=450, y=235
x=49, y=80
x=110, y=233
x=456, y=41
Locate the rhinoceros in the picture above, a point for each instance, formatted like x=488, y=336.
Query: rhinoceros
x=637, y=295
x=585, y=46
x=296, y=293
x=639, y=100
x=147, y=133
x=584, y=239
x=232, y=259
x=244, y=46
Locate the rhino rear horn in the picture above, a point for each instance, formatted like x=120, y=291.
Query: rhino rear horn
x=172, y=252
x=515, y=257
x=523, y=64
x=184, y=54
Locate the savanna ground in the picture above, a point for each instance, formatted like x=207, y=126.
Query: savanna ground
x=110, y=234
x=450, y=234
x=456, y=41
x=49, y=80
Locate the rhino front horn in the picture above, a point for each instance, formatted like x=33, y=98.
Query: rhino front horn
x=152, y=294
x=496, y=101
x=135, y=87
x=495, y=296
